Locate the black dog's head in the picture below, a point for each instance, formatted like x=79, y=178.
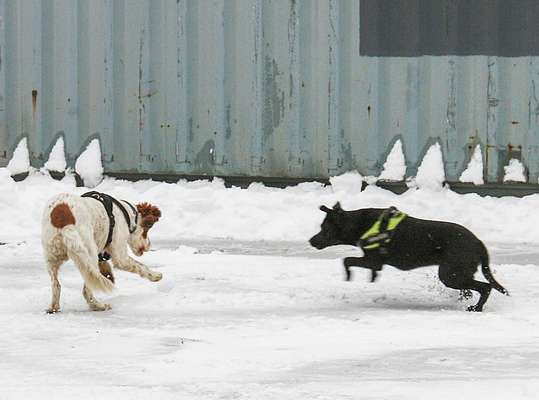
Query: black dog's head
x=332, y=232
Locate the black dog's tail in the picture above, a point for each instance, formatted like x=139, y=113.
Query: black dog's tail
x=488, y=273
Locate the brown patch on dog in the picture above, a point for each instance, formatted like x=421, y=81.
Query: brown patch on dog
x=149, y=214
x=106, y=270
x=62, y=216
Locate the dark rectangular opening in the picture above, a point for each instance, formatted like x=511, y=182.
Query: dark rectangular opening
x=411, y=28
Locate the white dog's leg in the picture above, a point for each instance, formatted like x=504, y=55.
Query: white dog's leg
x=53, y=267
x=130, y=265
x=93, y=303
x=83, y=252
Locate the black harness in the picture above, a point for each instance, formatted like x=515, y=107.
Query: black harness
x=109, y=202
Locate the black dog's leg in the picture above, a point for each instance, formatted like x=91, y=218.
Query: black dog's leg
x=460, y=278
x=364, y=262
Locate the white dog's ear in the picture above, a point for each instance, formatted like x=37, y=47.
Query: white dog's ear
x=149, y=215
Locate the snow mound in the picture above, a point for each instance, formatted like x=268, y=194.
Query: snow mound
x=349, y=182
x=20, y=162
x=7, y=186
x=202, y=210
x=431, y=173
x=474, y=172
x=89, y=166
x=514, y=172
x=57, y=160
x=394, y=168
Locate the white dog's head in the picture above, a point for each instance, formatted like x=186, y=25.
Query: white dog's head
x=148, y=215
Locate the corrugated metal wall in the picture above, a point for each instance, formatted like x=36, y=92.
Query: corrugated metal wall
x=273, y=88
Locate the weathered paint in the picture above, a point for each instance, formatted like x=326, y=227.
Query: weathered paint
x=273, y=88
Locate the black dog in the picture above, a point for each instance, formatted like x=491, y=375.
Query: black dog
x=413, y=243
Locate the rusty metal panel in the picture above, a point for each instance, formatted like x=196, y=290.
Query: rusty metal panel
x=270, y=88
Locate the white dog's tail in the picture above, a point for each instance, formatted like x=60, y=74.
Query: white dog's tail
x=88, y=267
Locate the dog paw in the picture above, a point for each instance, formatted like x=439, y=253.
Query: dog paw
x=155, y=276
x=475, y=308
x=100, y=307
x=52, y=310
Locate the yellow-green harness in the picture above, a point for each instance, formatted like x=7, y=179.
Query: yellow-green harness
x=380, y=233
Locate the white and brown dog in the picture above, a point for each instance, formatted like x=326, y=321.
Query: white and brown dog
x=77, y=228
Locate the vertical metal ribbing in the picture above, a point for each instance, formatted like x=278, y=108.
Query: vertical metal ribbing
x=130, y=79
x=13, y=116
x=295, y=167
x=59, y=75
x=532, y=136
x=335, y=140
x=411, y=129
x=145, y=92
x=156, y=94
x=492, y=120
x=68, y=118
x=41, y=144
x=90, y=70
x=4, y=140
x=451, y=106
x=206, y=87
x=118, y=83
x=351, y=84
x=167, y=143
x=257, y=86
x=23, y=66
x=220, y=157
x=107, y=140
x=183, y=127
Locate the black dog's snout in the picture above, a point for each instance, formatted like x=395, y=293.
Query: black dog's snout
x=316, y=242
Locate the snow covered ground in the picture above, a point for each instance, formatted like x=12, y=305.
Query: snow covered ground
x=247, y=310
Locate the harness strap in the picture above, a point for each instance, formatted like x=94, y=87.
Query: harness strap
x=126, y=214
x=108, y=203
x=131, y=230
x=380, y=233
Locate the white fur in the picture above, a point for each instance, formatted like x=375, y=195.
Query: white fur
x=83, y=241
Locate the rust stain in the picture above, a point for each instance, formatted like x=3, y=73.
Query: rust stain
x=34, y=100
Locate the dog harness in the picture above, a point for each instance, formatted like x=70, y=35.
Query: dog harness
x=108, y=203
x=381, y=232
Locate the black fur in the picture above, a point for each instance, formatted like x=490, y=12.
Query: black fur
x=415, y=243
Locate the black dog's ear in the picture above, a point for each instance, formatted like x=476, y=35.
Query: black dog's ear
x=325, y=209
x=337, y=206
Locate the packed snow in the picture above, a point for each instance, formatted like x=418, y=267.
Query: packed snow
x=20, y=161
x=514, y=172
x=430, y=173
x=57, y=160
x=474, y=171
x=394, y=168
x=89, y=166
x=247, y=310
